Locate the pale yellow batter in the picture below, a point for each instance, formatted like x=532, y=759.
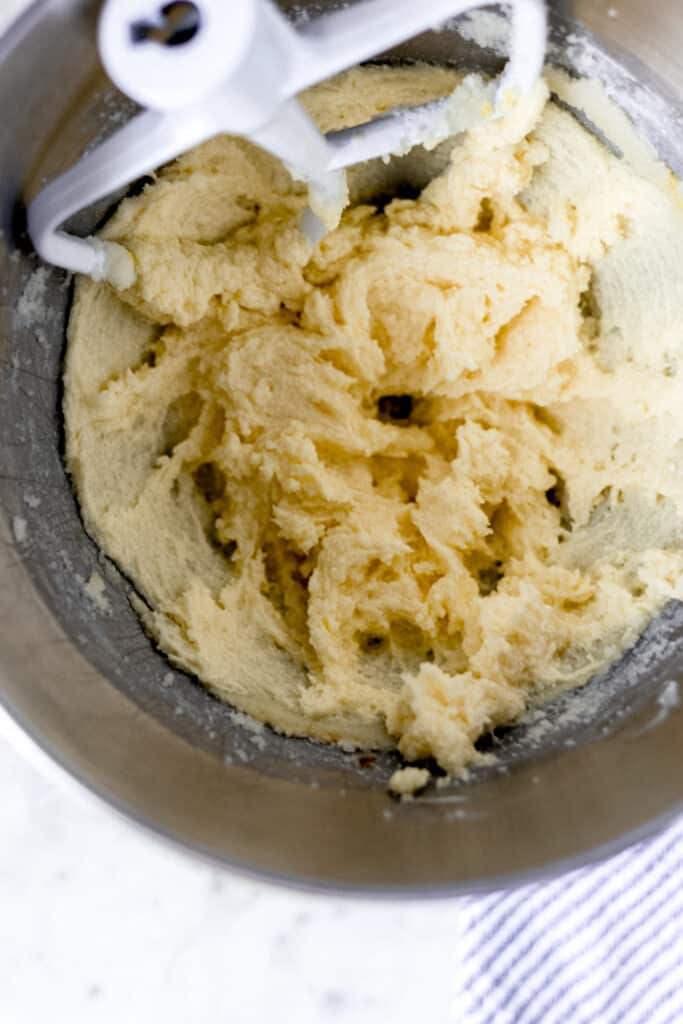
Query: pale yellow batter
x=387, y=491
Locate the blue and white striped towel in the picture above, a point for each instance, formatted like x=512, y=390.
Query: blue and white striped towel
x=602, y=945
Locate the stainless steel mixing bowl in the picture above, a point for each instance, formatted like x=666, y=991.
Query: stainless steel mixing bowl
x=600, y=771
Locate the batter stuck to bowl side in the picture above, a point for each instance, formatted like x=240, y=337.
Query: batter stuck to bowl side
x=388, y=490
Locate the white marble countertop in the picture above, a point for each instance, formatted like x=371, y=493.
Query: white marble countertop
x=102, y=924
